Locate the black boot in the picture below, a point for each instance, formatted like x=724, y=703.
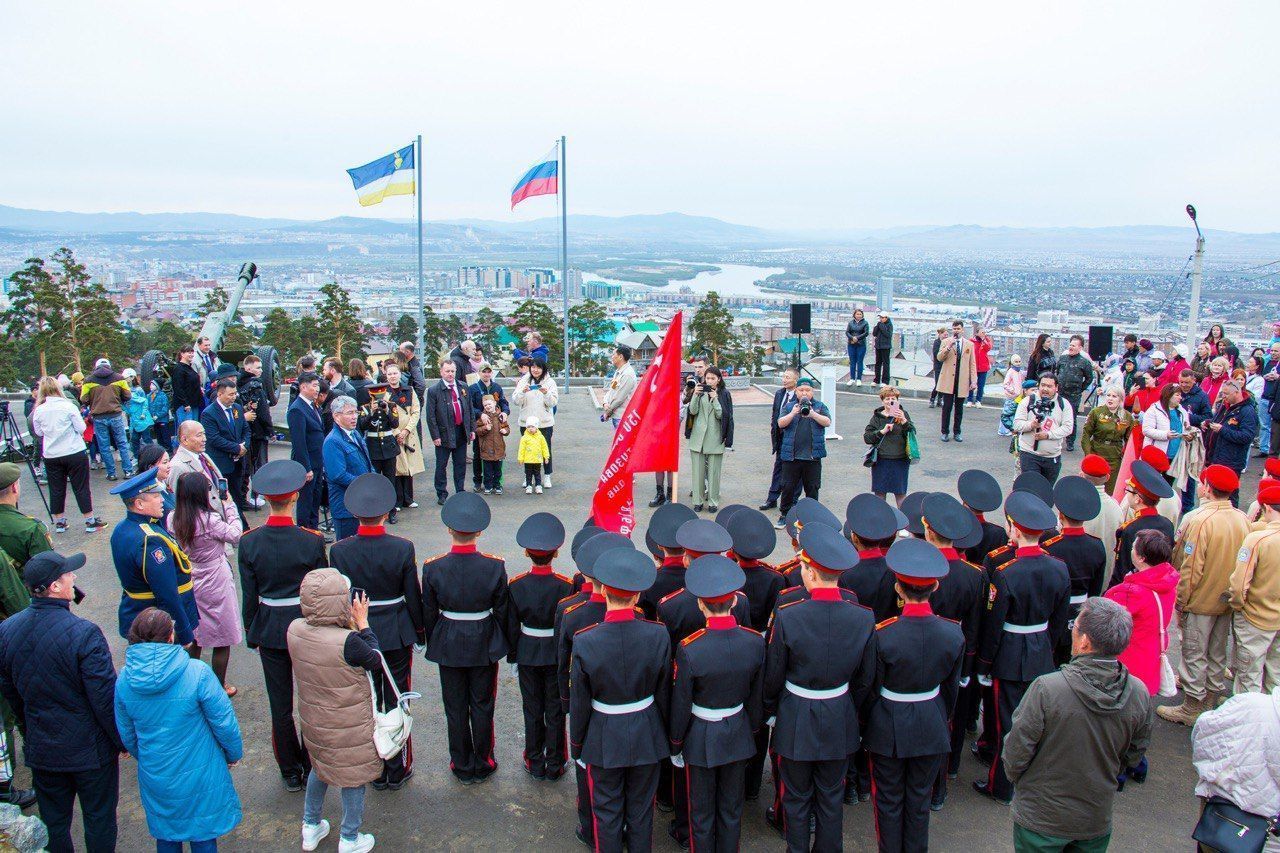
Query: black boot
x=659, y=499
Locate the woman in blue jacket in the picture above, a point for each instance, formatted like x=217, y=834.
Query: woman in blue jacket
x=176, y=720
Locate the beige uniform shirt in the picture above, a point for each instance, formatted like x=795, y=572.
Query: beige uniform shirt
x=1255, y=583
x=1205, y=552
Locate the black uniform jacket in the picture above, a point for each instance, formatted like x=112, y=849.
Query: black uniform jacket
x=582, y=614
x=274, y=558
x=872, y=582
x=620, y=661
x=718, y=668
x=1146, y=519
x=679, y=613
x=1086, y=559
x=385, y=567
x=819, y=643
x=465, y=581
x=762, y=586
x=993, y=537
x=1031, y=589
x=960, y=597
x=670, y=578
x=915, y=653
x=531, y=615
x=790, y=571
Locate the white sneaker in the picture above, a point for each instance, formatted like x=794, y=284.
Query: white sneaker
x=546, y=480
x=859, y=383
x=313, y=834
x=528, y=490
x=362, y=844
x=413, y=505
x=849, y=384
x=538, y=489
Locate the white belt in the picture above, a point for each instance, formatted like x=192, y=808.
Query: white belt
x=714, y=715
x=465, y=617
x=1026, y=629
x=1079, y=599
x=908, y=697
x=536, y=632
x=628, y=708
x=383, y=602
x=280, y=602
x=806, y=693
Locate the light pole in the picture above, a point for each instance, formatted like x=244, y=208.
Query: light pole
x=1197, y=275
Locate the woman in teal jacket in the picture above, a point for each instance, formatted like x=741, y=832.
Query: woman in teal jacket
x=176, y=720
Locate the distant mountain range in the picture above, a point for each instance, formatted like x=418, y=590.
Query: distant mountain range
x=676, y=229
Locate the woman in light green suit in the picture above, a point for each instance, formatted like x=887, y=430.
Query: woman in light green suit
x=709, y=429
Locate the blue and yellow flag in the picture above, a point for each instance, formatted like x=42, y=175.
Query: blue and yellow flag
x=390, y=175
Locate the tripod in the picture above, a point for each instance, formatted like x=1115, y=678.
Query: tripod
x=14, y=449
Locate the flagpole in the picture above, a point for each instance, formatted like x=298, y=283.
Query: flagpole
x=417, y=191
x=564, y=258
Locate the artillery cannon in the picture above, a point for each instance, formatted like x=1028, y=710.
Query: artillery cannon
x=155, y=364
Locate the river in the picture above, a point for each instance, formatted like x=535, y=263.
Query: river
x=726, y=280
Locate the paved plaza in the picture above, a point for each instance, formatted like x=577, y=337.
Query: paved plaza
x=514, y=812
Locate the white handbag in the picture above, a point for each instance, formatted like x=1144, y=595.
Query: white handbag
x=1168, y=682
x=391, y=728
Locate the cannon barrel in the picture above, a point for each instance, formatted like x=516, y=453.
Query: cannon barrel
x=215, y=325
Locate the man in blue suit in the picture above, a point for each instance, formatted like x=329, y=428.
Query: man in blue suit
x=345, y=457
x=306, y=439
x=227, y=427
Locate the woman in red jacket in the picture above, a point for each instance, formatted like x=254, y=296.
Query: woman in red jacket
x=982, y=362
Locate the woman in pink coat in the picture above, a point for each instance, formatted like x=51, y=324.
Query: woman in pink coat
x=204, y=533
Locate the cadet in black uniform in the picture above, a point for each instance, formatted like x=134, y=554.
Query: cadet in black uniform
x=1027, y=607
x=576, y=617
x=666, y=522
x=872, y=526
x=378, y=421
x=919, y=657
x=588, y=530
x=620, y=701
x=1146, y=487
x=1036, y=483
x=806, y=511
x=980, y=493
x=819, y=670
x=716, y=706
x=1077, y=501
x=464, y=606
x=385, y=568
x=531, y=613
x=274, y=558
x=959, y=596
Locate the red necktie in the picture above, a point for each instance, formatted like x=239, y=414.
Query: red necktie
x=457, y=407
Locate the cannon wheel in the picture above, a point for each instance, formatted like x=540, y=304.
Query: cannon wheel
x=272, y=376
x=154, y=365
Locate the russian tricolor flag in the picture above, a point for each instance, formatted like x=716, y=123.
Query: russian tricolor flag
x=542, y=179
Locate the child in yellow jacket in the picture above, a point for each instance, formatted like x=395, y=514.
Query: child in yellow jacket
x=532, y=454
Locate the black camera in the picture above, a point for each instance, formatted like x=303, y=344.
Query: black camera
x=691, y=383
x=1040, y=408
x=250, y=393
x=805, y=409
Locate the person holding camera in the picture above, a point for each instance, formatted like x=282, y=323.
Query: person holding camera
x=1042, y=421
x=404, y=403
x=226, y=425
x=253, y=396
x=888, y=432
x=957, y=378
x=380, y=423
x=709, y=430
x=804, y=423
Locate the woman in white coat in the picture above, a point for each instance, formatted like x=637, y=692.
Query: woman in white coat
x=536, y=396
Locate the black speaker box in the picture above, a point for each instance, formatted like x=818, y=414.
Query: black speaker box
x=801, y=318
x=1101, y=340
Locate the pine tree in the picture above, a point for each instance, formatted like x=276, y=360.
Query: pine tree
x=38, y=314
x=432, y=335
x=711, y=328
x=338, y=323
x=589, y=330
x=405, y=329
x=279, y=331
x=485, y=333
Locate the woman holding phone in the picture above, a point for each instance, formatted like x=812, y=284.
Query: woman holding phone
x=888, y=432
x=536, y=396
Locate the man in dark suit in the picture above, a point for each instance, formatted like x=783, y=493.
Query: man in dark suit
x=780, y=397
x=306, y=440
x=227, y=427
x=346, y=457
x=451, y=422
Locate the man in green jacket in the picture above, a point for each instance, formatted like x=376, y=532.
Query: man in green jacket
x=21, y=536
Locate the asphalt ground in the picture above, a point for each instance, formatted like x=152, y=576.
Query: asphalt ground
x=514, y=812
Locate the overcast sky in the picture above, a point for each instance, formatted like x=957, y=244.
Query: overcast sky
x=807, y=114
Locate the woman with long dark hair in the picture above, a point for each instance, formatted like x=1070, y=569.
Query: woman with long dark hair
x=709, y=429
x=204, y=534
x=536, y=394
x=157, y=456
x=1042, y=359
x=1216, y=339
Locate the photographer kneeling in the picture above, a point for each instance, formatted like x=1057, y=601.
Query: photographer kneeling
x=1042, y=421
x=380, y=421
x=804, y=423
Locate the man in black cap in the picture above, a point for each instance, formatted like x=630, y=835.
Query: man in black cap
x=385, y=569
x=819, y=671
x=531, y=614
x=1027, y=607
x=464, y=604
x=959, y=596
x=872, y=527
x=920, y=656
x=806, y=511
x=274, y=558
x=1145, y=489
x=1077, y=501
x=575, y=618
x=716, y=705
x=980, y=492
x=663, y=527
x=620, y=699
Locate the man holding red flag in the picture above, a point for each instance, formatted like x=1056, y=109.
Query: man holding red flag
x=647, y=437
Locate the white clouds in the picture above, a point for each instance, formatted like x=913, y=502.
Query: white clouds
x=815, y=114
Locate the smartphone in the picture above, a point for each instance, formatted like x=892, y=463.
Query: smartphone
x=221, y=484
x=357, y=592
x=894, y=407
